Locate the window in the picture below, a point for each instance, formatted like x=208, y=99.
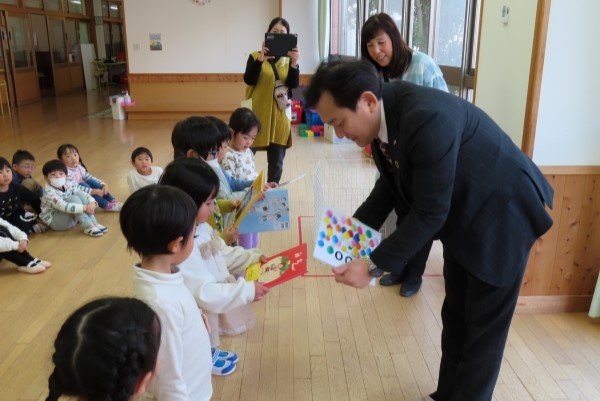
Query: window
x=444, y=29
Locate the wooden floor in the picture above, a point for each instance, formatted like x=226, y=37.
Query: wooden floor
x=315, y=340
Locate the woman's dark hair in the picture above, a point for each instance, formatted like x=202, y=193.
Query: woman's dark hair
x=4, y=163
x=54, y=165
x=193, y=176
x=104, y=349
x=195, y=133
x=141, y=151
x=223, y=128
x=243, y=120
x=277, y=20
x=345, y=81
x=402, y=54
x=155, y=215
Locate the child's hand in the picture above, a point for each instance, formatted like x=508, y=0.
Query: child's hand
x=104, y=189
x=98, y=192
x=263, y=259
x=270, y=185
x=90, y=208
x=22, y=246
x=260, y=290
x=235, y=203
x=231, y=235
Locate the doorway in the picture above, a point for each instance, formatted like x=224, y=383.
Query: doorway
x=43, y=58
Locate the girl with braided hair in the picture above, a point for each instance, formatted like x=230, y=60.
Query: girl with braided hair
x=106, y=351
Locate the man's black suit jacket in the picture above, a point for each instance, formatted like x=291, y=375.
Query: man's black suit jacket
x=462, y=180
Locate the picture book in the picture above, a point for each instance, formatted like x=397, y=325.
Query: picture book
x=269, y=214
x=279, y=268
x=341, y=239
x=252, y=195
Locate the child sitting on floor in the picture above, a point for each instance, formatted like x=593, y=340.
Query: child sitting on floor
x=23, y=164
x=77, y=173
x=143, y=172
x=64, y=204
x=209, y=270
x=13, y=247
x=13, y=198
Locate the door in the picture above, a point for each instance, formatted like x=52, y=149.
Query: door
x=20, y=44
x=43, y=57
x=58, y=46
x=5, y=61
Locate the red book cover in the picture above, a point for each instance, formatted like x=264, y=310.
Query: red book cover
x=279, y=268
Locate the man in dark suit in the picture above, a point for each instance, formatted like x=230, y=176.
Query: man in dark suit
x=462, y=181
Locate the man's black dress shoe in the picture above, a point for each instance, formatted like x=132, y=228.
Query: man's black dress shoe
x=410, y=287
x=391, y=279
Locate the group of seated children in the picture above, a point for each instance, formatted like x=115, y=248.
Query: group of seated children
x=69, y=197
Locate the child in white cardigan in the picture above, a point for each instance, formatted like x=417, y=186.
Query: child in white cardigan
x=214, y=271
x=13, y=247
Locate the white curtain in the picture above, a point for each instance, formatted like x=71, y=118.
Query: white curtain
x=323, y=29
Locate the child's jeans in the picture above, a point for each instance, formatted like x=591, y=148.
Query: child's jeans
x=63, y=221
x=102, y=201
x=249, y=240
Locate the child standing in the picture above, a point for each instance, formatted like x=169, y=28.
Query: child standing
x=64, y=204
x=13, y=247
x=158, y=223
x=77, y=173
x=239, y=159
x=209, y=270
x=190, y=138
x=23, y=164
x=143, y=173
x=13, y=197
x=105, y=350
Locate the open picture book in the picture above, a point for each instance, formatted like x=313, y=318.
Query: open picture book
x=279, y=268
x=272, y=213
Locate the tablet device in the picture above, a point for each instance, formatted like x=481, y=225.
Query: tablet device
x=279, y=44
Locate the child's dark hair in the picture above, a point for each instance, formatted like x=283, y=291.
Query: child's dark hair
x=195, y=133
x=154, y=216
x=62, y=149
x=22, y=155
x=104, y=349
x=194, y=176
x=53, y=165
x=243, y=120
x=4, y=163
x=141, y=151
x=224, y=131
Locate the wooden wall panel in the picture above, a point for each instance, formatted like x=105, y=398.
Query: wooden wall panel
x=564, y=264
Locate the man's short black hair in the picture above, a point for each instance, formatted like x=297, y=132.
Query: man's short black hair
x=345, y=81
x=194, y=176
x=155, y=215
x=141, y=151
x=22, y=155
x=53, y=165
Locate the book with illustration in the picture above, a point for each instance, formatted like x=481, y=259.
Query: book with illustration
x=269, y=214
x=279, y=268
x=341, y=239
x=252, y=195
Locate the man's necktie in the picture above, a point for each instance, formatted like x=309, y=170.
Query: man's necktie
x=385, y=150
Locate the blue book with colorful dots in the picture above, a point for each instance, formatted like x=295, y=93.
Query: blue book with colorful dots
x=341, y=239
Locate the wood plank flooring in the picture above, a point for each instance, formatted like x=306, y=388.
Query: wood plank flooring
x=314, y=340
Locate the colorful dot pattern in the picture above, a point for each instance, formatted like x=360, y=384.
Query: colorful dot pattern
x=347, y=235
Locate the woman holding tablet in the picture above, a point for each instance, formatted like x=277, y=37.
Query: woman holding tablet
x=262, y=72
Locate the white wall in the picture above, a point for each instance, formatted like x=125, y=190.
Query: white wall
x=214, y=38
x=504, y=63
x=568, y=125
x=303, y=19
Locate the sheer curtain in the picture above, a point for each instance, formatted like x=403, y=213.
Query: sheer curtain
x=324, y=29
